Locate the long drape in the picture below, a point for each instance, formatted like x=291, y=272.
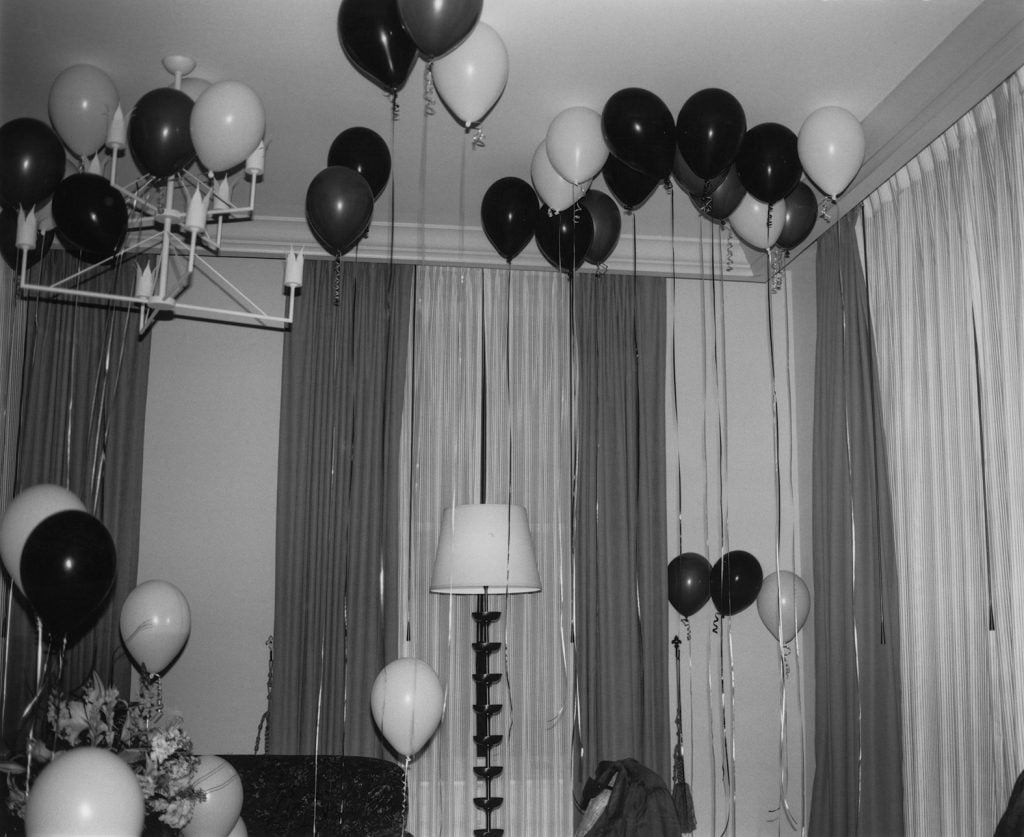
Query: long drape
x=82, y=420
x=858, y=764
x=946, y=271
x=337, y=547
x=490, y=403
x=621, y=606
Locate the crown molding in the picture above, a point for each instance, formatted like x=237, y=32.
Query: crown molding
x=978, y=56
x=437, y=244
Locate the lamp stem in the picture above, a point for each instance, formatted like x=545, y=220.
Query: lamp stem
x=484, y=709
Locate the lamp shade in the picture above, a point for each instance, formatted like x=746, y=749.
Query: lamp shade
x=485, y=548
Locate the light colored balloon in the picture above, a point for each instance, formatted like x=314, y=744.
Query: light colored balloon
x=471, y=78
x=155, y=624
x=218, y=814
x=82, y=102
x=86, y=791
x=406, y=701
x=787, y=589
x=831, y=148
x=26, y=511
x=227, y=124
x=240, y=829
x=555, y=191
x=749, y=221
x=575, y=144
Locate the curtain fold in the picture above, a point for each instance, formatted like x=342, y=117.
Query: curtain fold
x=621, y=539
x=82, y=420
x=337, y=545
x=945, y=263
x=858, y=760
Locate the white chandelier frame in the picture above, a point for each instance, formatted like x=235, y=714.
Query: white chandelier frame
x=178, y=230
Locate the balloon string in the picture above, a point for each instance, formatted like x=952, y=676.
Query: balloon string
x=793, y=539
x=711, y=724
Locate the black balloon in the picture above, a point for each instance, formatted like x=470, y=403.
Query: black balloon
x=31, y=162
x=376, y=41
x=801, y=215
x=90, y=215
x=68, y=568
x=709, y=131
x=691, y=183
x=607, y=220
x=339, y=208
x=768, y=162
x=9, y=236
x=564, y=238
x=638, y=129
x=720, y=203
x=439, y=27
x=630, y=187
x=159, y=132
x=689, y=582
x=509, y=213
x=363, y=150
x=736, y=580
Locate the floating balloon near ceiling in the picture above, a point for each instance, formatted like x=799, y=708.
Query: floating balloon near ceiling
x=831, y=148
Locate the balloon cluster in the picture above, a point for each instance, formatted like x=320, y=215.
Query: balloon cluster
x=221, y=127
x=59, y=556
x=750, y=178
x=340, y=198
x=468, y=59
x=735, y=582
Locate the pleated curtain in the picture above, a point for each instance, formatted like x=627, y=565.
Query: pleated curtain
x=341, y=407
x=488, y=416
x=945, y=267
x=858, y=761
x=81, y=424
x=621, y=548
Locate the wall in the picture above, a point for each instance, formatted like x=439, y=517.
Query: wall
x=736, y=673
x=209, y=508
x=209, y=503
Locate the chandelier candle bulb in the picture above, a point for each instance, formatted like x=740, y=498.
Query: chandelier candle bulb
x=255, y=161
x=28, y=229
x=144, y=282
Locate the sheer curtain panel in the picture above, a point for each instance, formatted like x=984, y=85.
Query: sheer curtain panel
x=488, y=415
x=945, y=264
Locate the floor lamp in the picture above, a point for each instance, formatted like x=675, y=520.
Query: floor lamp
x=483, y=549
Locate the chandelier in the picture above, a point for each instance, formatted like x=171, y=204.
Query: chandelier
x=193, y=142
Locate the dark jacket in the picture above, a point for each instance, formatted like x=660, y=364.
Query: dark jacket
x=640, y=804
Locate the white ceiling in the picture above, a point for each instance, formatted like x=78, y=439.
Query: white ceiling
x=781, y=59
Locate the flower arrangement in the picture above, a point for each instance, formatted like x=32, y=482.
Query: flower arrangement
x=158, y=749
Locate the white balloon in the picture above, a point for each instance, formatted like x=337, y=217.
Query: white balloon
x=787, y=589
x=227, y=124
x=239, y=830
x=219, y=813
x=471, y=78
x=406, y=701
x=81, y=104
x=155, y=624
x=749, y=221
x=555, y=191
x=575, y=144
x=86, y=791
x=831, y=148
x=26, y=511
